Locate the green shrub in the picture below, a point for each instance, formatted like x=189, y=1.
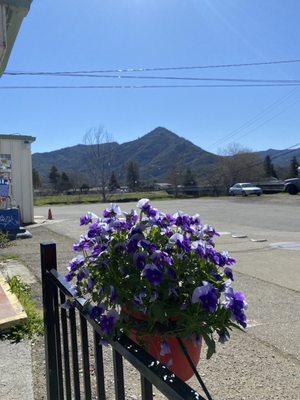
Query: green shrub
x=4, y=241
x=34, y=324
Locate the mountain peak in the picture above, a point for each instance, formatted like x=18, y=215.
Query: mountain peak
x=161, y=131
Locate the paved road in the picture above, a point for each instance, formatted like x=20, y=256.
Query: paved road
x=276, y=219
x=270, y=352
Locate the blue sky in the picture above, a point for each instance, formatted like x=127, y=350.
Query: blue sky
x=66, y=35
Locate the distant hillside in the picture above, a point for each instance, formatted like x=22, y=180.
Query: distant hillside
x=280, y=158
x=156, y=152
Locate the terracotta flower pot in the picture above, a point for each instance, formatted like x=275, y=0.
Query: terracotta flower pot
x=175, y=360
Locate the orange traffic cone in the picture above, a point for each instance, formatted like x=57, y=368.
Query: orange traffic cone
x=50, y=217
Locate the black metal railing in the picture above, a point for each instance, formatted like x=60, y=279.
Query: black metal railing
x=68, y=353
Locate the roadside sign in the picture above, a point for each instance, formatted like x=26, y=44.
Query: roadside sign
x=10, y=220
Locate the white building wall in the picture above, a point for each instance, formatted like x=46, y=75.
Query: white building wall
x=21, y=184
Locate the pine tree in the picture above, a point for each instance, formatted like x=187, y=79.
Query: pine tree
x=269, y=168
x=54, y=178
x=133, y=175
x=36, y=179
x=84, y=188
x=188, y=179
x=64, y=183
x=293, y=170
x=113, y=182
x=190, y=184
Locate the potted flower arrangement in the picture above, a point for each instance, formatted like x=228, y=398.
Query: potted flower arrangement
x=157, y=277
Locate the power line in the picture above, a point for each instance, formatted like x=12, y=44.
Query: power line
x=282, y=153
x=144, y=69
x=268, y=120
x=288, y=152
x=82, y=75
x=147, y=86
x=255, y=119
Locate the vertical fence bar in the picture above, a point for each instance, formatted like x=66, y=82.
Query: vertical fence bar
x=48, y=261
x=118, y=375
x=99, y=367
x=146, y=387
x=64, y=325
x=58, y=344
x=75, y=354
x=85, y=358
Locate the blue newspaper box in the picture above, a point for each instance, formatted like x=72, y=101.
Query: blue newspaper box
x=10, y=220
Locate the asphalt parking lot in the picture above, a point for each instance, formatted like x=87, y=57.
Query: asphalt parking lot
x=265, y=362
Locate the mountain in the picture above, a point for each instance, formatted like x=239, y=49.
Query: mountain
x=280, y=158
x=156, y=153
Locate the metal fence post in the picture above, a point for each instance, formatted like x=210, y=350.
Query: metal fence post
x=48, y=261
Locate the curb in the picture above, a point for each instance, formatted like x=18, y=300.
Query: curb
x=11, y=311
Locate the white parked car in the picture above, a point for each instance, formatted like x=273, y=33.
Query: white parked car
x=244, y=189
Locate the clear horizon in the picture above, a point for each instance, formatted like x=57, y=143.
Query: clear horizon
x=172, y=33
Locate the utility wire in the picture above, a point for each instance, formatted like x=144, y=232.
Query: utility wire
x=148, y=86
x=282, y=153
x=82, y=75
x=257, y=118
x=142, y=69
x=268, y=120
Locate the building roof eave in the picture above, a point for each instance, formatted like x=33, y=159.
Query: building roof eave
x=24, y=138
x=17, y=10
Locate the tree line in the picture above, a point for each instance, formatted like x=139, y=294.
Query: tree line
x=236, y=164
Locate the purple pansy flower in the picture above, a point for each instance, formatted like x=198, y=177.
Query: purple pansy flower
x=224, y=259
x=69, y=276
x=131, y=218
x=90, y=284
x=98, y=249
x=112, y=212
x=223, y=337
x=228, y=273
x=181, y=241
x=108, y=321
x=138, y=298
x=87, y=218
x=195, y=220
x=207, y=296
x=84, y=244
x=96, y=311
x=153, y=274
x=139, y=260
x=182, y=219
x=165, y=220
x=176, y=238
x=161, y=257
x=146, y=208
x=82, y=273
x=236, y=303
x=76, y=263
